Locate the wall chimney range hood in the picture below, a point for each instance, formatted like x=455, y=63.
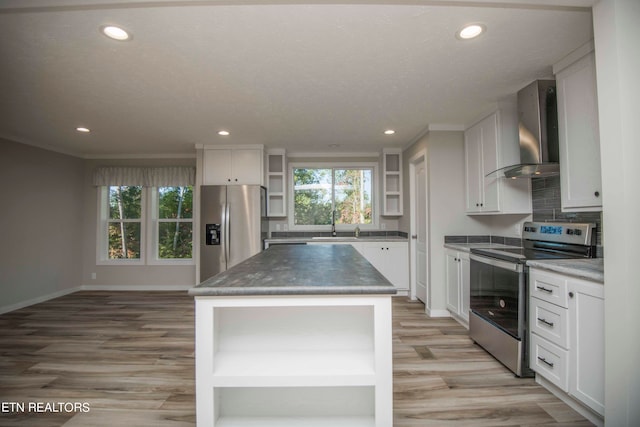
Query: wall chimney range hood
x=538, y=130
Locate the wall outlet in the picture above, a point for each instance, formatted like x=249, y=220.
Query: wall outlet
x=93, y=276
x=285, y=227
x=277, y=227
x=518, y=228
x=383, y=226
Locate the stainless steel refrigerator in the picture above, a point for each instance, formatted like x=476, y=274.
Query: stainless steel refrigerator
x=233, y=225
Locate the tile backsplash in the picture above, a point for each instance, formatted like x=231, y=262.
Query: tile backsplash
x=546, y=205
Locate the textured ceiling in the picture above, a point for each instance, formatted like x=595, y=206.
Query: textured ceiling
x=297, y=76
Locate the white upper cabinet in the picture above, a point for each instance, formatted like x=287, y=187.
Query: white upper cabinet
x=579, y=134
x=232, y=166
x=392, y=182
x=276, y=181
x=491, y=144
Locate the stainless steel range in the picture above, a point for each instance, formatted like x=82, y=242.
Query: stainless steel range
x=499, y=287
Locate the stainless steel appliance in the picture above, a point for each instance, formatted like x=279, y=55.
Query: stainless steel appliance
x=499, y=287
x=538, y=132
x=233, y=225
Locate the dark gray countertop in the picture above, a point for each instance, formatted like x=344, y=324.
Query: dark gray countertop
x=588, y=268
x=301, y=240
x=299, y=270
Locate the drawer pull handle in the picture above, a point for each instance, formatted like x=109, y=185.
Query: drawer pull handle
x=543, y=360
x=546, y=322
x=542, y=288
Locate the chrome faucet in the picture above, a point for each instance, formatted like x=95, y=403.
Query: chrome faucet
x=333, y=223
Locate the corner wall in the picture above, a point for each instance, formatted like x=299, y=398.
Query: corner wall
x=446, y=210
x=41, y=217
x=616, y=35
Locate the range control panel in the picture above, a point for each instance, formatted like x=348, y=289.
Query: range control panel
x=561, y=232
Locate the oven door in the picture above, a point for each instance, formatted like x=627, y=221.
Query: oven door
x=498, y=293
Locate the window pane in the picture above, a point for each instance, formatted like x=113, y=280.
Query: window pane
x=353, y=196
x=312, y=196
x=174, y=239
x=175, y=202
x=125, y=202
x=124, y=240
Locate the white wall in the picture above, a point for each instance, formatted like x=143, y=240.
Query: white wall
x=41, y=217
x=152, y=277
x=445, y=172
x=446, y=216
x=617, y=39
x=385, y=223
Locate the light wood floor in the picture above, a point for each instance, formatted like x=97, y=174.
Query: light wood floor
x=130, y=356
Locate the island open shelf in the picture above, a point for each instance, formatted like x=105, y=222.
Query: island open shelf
x=275, y=360
x=288, y=406
x=295, y=336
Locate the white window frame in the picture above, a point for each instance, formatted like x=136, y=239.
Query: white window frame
x=152, y=241
x=148, y=232
x=335, y=165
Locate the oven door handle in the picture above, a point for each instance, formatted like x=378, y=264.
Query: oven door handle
x=511, y=266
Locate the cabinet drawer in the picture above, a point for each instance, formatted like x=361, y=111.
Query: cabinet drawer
x=550, y=361
x=549, y=321
x=548, y=287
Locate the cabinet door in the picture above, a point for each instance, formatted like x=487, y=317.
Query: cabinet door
x=390, y=259
x=472, y=152
x=397, y=264
x=465, y=285
x=216, y=167
x=490, y=185
x=453, y=280
x=247, y=166
x=375, y=254
x=586, y=317
x=579, y=136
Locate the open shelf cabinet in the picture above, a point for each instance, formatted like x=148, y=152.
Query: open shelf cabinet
x=276, y=180
x=392, y=182
x=280, y=361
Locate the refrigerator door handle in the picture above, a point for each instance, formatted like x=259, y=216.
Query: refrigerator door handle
x=227, y=243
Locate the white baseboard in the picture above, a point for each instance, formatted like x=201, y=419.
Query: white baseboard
x=150, y=288
x=596, y=419
x=124, y=288
x=402, y=292
x=438, y=313
x=37, y=300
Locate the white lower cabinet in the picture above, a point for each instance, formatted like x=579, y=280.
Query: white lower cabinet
x=566, y=319
x=293, y=361
x=586, y=323
x=457, y=280
x=391, y=259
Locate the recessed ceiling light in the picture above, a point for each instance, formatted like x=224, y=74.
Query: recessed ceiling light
x=389, y=132
x=223, y=133
x=115, y=33
x=470, y=31
x=83, y=129
x=334, y=145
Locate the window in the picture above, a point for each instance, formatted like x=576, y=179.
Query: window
x=124, y=226
x=146, y=225
x=174, y=222
x=318, y=191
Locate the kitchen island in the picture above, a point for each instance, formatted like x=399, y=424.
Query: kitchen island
x=296, y=335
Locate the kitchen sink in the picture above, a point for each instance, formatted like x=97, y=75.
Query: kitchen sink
x=330, y=238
